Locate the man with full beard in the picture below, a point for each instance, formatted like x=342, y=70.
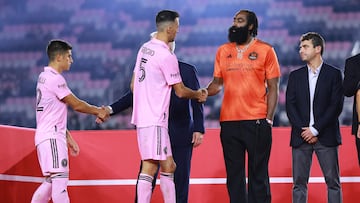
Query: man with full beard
x=248, y=69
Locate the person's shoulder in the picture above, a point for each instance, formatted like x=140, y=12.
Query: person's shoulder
x=227, y=45
x=263, y=43
x=331, y=67
x=298, y=70
x=354, y=58
x=187, y=67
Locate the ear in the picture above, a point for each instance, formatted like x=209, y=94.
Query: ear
x=318, y=49
x=58, y=57
x=168, y=29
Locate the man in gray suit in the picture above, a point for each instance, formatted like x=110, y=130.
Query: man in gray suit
x=314, y=101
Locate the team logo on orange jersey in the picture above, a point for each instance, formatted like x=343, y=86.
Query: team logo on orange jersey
x=253, y=56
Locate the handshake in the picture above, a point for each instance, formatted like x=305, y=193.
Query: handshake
x=203, y=94
x=102, y=115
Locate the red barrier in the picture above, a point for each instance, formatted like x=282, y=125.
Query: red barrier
x=106, y=169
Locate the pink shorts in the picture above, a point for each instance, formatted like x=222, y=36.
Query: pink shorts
x=53, y=156
x=154, y=143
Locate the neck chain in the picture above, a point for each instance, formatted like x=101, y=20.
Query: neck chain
x=241, y=51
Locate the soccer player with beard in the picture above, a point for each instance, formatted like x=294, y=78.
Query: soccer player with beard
x=249, y=71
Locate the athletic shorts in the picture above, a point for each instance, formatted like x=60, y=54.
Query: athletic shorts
x=154, y=143
x=53, y=156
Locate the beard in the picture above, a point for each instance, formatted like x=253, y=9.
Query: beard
x=239, y=35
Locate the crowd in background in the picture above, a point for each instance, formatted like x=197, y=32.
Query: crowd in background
x=107, y=34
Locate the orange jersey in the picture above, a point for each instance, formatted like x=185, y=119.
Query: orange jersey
x=245, y=79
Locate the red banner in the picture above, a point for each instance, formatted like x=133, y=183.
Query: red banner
x=107, y=167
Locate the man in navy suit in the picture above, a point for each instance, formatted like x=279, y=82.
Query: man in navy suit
x=351, y=86
x=314, y=101
x=186, y=127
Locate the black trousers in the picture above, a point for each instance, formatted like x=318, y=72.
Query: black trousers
x=357, y=142
x=255, y=138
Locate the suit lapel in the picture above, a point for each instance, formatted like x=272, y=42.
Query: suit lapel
x=320, y=80
x=304, y=84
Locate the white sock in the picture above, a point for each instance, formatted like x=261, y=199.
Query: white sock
x=168, y=187
x=144, y=188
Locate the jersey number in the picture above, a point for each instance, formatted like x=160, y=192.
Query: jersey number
x=142, y=69
x=38, y=98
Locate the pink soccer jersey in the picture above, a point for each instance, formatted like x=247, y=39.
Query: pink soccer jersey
x=156, y=69
x=51, y=112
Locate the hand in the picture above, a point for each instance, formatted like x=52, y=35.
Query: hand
x=313, y=140
x=99, y=119
x=72, y=145
x=307, y=135
x=74, y=148
x=203, y=95
x=358, y=133
x=197, y=139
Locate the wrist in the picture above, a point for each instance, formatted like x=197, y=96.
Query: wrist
x=110, y=109
x=269, y=121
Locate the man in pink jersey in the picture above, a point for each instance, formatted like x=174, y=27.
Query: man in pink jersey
x=52, y=136
x=156, y=72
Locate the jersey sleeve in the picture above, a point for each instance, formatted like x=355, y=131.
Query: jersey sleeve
x=272, y=66
x=217, y=64
x=60, y=88
x=171, y=70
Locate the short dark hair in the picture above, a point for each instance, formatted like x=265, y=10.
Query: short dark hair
x=252, y=20
x=57, y=46
x=316, y=39
x=166, y=16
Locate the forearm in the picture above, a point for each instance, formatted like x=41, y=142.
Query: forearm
x=271, y=105
x=84, y=107
x=68, y=134
x=272, y=98
x=188, y=93
x=215, y=86
x=123, y=103
x=213, y=89
x=69, y=138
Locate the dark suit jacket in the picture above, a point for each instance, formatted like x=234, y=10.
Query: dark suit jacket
x=351, y=84
x=182, y=123
x=327, y=105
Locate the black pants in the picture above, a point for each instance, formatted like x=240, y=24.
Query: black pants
x=255, y=138
x=357, y=142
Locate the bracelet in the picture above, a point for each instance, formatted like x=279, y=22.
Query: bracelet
x=269, y=121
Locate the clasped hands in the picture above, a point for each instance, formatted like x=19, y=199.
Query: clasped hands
x=203, y=95
x=307, y=135
x=102, y=115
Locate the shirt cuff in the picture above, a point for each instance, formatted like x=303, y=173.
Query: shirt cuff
x=314, y=131
x=111, y=109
